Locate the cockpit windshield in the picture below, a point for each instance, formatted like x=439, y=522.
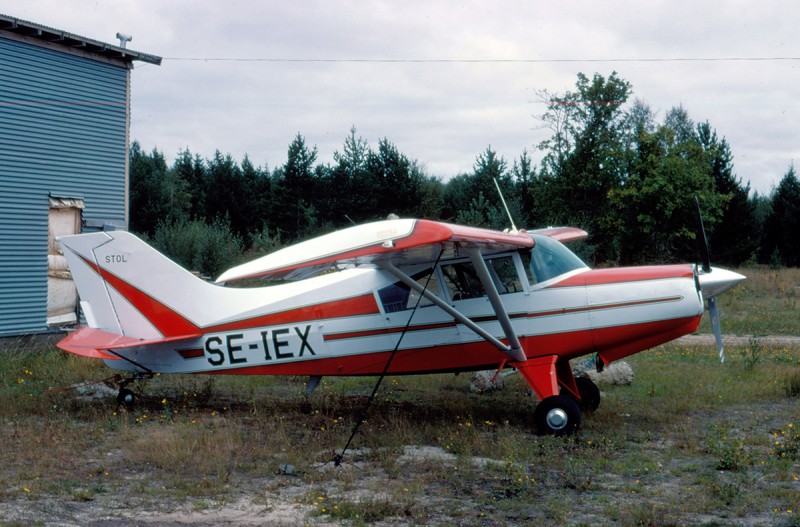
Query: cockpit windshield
x=548, y=259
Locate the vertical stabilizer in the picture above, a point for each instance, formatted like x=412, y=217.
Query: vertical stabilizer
x=128, y=288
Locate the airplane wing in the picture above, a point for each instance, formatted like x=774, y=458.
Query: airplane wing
x=406, y=241
x=562, y=234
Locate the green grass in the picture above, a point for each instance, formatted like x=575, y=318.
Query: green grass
x=767, y=303
x=689, y=441
x=689, y=438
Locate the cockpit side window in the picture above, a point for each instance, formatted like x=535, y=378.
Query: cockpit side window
x=525, y=256
x=548, y=259
x=399, y=297
x=504, y=274
x=462, y=281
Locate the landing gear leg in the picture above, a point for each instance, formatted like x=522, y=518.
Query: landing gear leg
x=555, y=414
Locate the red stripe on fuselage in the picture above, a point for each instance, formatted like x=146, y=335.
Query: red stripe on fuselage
x=166, y=320
x=621, y=275
x=565, y=311
x=194, y=353
x=386, y=331
x=433, y=359
x=615, y=342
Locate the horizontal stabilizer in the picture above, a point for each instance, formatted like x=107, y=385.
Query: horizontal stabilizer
x=89, y=342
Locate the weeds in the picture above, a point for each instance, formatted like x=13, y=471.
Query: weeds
x=647, y=515
x=753, y=352
x=791, y=383
x=650, y=455
x=362, y=512
x=786, y=442
x=729, y=451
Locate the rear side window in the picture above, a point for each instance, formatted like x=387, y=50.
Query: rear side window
x=462, y=281
x=400, y=297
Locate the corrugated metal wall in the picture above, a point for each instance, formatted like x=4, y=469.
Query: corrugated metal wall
x=63, y=124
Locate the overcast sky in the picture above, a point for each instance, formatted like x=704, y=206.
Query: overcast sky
x=443, y=114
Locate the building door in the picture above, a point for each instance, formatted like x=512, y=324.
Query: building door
x=62, y=296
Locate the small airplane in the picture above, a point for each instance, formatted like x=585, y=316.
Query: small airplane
x=399, y=296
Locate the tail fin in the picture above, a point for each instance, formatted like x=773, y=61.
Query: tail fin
x=130, y=289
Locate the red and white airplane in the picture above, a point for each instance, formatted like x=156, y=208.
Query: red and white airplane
x=419, y=296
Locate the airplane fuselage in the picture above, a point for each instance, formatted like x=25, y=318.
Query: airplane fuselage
x=612, y=312
x=396, y=297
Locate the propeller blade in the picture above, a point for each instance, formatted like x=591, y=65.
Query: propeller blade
x=702, y=241
x=713, y=312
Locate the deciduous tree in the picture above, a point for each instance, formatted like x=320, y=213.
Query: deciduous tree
x=584, y=158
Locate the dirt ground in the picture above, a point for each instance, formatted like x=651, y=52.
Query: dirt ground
x=602, y=498
x=648, y=479
x=739, y=340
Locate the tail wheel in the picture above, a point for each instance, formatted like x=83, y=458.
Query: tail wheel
x=126, y=397
x=557, y=415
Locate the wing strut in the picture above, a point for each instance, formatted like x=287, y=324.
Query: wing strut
x=515, y=353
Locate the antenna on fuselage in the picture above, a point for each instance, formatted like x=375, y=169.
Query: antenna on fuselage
x=514, y=229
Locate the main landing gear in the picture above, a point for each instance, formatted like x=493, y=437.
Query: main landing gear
x=590, y=394
x=561, y=414
x=557, y=415
x=562, y=397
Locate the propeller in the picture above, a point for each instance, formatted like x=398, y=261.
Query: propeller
x=705, y=259
x=702, y=241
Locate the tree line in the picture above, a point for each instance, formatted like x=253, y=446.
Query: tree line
x=609, y=166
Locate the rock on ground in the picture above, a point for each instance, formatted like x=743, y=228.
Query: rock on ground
x=617, y=373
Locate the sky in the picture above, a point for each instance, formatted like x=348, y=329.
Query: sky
x=443, y=81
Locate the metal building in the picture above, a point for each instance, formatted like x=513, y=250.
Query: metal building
x=64, y=138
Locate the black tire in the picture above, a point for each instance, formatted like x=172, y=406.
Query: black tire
x=125, y=397
x=590, y=394
x=557, y=415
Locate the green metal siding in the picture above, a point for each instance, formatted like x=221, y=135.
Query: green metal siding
x=63, y=132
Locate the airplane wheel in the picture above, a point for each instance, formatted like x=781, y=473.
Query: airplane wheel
x=557, y=415
x=125, y=397
x=590, y=394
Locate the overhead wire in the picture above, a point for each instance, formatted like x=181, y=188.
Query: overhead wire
x=480, y=61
